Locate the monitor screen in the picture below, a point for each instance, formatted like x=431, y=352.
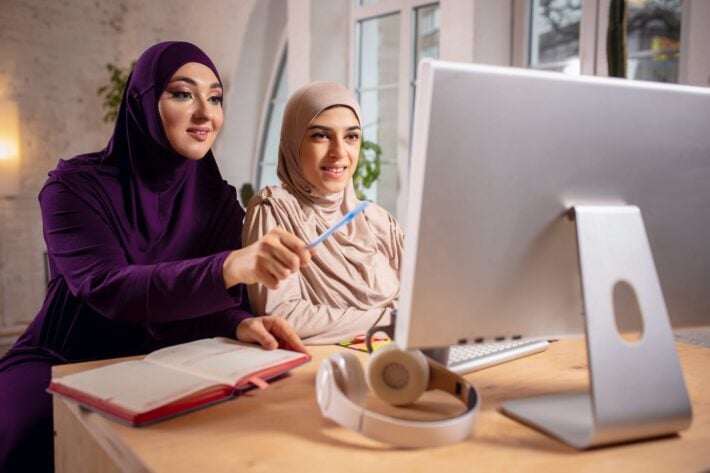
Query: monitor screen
x=500, y=156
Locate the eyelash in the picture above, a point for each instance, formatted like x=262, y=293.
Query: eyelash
x=181, y=95
x=184, y=96
x=321, y=136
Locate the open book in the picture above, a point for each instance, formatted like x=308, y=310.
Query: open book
x=175, y=379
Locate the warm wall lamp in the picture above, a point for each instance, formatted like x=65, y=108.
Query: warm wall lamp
x=9, y=148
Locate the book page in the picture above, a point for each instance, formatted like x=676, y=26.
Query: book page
x=221, y=359
x=138, y=386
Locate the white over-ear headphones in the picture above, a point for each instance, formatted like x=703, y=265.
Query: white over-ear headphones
x=399, y=378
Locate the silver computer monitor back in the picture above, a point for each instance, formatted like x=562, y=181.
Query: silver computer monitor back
x=499, y=155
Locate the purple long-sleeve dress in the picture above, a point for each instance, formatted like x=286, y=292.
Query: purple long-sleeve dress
x=136, y=236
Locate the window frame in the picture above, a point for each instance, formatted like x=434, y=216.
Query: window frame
x=405, y=77
x=592, y=41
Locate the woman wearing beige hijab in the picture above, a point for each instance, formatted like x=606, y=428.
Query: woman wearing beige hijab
x=353, y=279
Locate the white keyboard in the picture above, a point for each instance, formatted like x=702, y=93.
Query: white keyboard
x=466, y=358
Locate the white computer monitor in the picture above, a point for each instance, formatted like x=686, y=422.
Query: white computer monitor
x=500, y=155
x=546, y=206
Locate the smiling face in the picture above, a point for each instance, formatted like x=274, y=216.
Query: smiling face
x=330, y=149
x=191, y=110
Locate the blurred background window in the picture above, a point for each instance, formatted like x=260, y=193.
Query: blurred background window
x=390, y=38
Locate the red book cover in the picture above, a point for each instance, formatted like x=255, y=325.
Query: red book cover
x=174, y=380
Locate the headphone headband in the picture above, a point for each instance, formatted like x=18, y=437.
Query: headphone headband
x=341, y=389
x=452, y=383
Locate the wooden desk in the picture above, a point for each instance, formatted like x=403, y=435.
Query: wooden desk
x=280, y=429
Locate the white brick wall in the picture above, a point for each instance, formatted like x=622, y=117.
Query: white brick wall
x=52, y=58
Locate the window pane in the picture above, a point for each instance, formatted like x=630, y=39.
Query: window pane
x=377, y=91
x=379, y=123
x=365, y=2
x=427, y=34
x=426, y=31
x=554, y=35
x=378, y=51
x=270, y=151
x=266, y=173
x=282, y=83
x=653, y=39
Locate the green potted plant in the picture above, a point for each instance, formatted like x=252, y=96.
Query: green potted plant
x=113, y=91
x=368, y=168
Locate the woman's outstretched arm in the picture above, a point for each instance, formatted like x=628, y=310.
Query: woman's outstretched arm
x=88, y=254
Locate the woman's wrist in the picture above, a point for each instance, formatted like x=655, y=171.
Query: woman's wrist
x=229, y=276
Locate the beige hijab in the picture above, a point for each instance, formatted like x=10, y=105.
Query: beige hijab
x=356, y=267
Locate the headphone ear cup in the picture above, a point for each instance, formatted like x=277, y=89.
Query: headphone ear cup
x=398, y=377
x=349, y=377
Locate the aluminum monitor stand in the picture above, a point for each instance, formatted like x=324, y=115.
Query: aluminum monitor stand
x=637, y=389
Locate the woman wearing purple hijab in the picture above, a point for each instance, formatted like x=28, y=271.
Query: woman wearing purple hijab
x=144, y=248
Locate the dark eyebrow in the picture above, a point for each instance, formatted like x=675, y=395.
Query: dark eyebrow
x=322, y=127
x=215, y=85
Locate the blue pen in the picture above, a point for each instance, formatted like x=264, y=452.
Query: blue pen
x=345, y=220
